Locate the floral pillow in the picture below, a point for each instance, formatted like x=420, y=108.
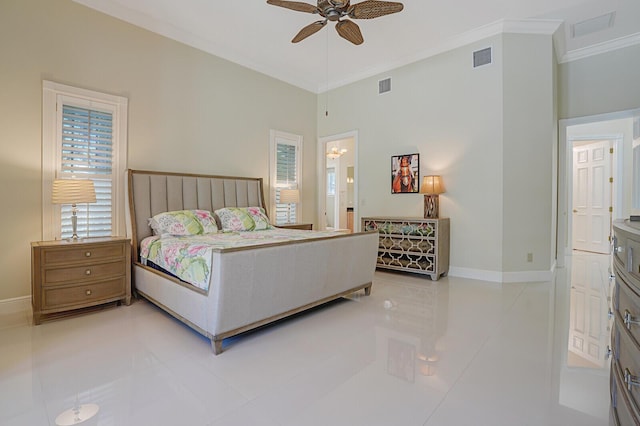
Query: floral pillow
x=243, y=219
x=181, y=222
x=259, y=217
x=206, y=219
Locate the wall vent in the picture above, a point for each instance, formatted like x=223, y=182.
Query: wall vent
x=593, y=25
x=384, y=86
x=482, y=57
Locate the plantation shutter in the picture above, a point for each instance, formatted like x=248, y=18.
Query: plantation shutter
x=286, y=178
x=87, y=153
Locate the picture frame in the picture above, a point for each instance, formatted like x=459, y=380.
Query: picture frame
x=405, y=174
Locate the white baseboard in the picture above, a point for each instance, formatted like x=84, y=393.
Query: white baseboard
x=15, y=306
x=503, y=277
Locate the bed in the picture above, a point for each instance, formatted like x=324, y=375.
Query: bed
x=249, y=286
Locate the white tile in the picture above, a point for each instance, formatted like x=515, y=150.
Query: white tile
x=497, y=354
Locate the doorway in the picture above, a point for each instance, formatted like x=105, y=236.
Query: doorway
x=615, y=127
x=337, y=182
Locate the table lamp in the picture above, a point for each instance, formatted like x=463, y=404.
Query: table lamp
x=432, y=186
x=73, y=191
x=289, y=196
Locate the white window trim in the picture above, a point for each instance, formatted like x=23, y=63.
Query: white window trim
x=51, y=116
x=294, y=140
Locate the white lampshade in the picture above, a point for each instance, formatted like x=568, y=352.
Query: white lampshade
x=432, y=185
x=289, y=196
x=73, y=191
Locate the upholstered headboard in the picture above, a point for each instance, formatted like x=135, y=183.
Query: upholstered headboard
x=152, y=192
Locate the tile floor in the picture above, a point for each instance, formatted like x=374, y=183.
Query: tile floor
x=415, y=352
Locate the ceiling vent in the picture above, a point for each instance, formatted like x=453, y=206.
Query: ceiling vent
x=593, y=25
x=384, y=86
x=482, y=57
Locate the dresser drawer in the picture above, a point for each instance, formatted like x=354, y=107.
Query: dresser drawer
x=64, y=297
x=54, y=276
x=621, y=413
x=627, y=305
x=90, y=253
x=628, y=366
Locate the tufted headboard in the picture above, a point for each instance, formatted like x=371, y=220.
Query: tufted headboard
x=153, y=192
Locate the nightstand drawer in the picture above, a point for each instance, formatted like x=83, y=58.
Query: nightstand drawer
x=84, y=272
x=65, y=297
x=90, y=253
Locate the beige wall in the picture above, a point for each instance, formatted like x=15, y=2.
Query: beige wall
x=451, y=115
x=529, y=152
x=600, y=84
x=491, y=133
x=188, y=111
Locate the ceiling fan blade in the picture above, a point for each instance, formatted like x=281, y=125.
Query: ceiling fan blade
x=370, y=9
x=309, y=30
x=350, y=31
x=294, y=5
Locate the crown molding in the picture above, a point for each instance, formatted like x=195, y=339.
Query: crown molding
x=597, y=49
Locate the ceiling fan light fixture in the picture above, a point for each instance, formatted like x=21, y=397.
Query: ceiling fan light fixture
x=336, y=153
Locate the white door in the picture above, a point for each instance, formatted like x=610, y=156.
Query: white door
x=592, y=197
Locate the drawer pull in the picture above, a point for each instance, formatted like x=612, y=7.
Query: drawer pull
x=610, y=314
x=629, y=320
x=88, y=292
x=87, y=272
x=608, y=352
x=619, y=249
x=630, y=380
x=630, y=260
x=87, y=254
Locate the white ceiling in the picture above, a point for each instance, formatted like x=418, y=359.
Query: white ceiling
x=257, y=35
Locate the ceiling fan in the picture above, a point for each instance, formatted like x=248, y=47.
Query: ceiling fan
x=336, y=10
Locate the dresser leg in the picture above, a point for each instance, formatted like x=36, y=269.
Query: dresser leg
x=37, y=318
x=367, y=290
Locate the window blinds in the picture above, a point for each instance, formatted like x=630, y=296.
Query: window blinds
x=286, y=178
x=87, y=153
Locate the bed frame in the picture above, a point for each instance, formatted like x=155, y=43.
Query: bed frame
x=251, y=286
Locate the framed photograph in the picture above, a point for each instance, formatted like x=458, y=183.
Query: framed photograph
x=405, y=173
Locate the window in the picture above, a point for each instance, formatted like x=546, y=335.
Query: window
x=84, y=137
x=286, y=169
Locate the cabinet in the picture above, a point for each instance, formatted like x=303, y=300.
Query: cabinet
x=68, y=276
x=412, y=244
x=625, y=338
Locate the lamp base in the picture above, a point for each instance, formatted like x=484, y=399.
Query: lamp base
x=431, y=206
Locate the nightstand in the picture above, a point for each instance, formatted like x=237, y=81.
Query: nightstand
x=69, y=277
x=304, y=226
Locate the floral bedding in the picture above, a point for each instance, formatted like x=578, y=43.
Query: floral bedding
x=190, y=257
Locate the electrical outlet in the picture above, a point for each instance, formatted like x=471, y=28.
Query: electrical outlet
x=529, y=257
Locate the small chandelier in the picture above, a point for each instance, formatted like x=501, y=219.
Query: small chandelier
x=335, y=153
